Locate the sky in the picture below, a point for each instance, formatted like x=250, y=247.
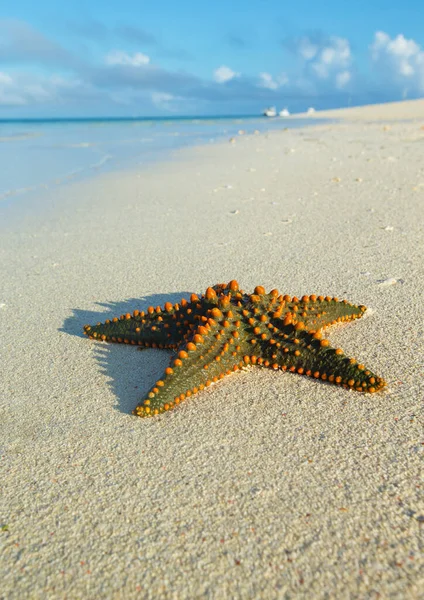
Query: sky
x=227, y=57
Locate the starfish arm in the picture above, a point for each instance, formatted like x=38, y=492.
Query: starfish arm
x=156, y=327
x=299, y=351
x=319, y=312
x=329, y=311
x=213, y=353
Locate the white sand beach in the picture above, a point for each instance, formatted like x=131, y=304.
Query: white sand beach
x=267, y=484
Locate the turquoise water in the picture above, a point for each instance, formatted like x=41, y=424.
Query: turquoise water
x=37, y=154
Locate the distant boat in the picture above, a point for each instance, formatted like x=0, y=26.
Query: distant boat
x=284, y=113
x=310, y=110
x=270, y=112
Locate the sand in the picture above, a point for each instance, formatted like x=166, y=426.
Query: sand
x=395, y=111
x=268, y=484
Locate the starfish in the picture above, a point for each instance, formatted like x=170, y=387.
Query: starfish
x=226, y=329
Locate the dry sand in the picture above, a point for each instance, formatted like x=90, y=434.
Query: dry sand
x=395, y=111
x=267, y=485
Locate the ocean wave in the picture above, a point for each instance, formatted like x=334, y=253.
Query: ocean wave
x=61, y=179
x=17, y=191
x=19, y=137
x=101, y=162
x=79, y=145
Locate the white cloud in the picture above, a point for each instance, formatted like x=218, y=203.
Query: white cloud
x=398, y=61
x=223, y=74
x=324, y=64
x=164, y=100
x=5, y=79
x=307, y=49
x=9, y=95
x=28, y=89
x=332, y=58
x=118, y=57
x=343, y=79
x=398, y=46
x=268, y=82
x=11, y=99
x=19, y=91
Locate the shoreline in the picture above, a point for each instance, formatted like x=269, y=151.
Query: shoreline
x=59, y=152
x=268, y=484
x=402, y=111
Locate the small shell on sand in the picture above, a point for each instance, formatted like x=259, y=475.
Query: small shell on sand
x=389, y=281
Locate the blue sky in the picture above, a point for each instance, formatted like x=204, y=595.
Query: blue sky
x=100, y=58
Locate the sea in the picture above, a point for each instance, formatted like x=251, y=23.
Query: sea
x=43, y=153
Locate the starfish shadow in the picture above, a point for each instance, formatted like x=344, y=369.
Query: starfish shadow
x=130, y=372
